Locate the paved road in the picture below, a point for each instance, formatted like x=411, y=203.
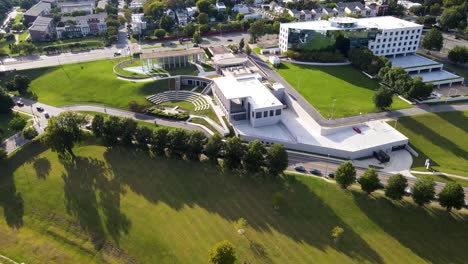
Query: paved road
x=310, y=161
x=418, y=109
x=40, y=121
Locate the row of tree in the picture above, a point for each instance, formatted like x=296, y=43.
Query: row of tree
x=423, y=191
x=65, y=129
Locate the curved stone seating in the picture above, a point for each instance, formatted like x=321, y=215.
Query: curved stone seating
x=195, y=98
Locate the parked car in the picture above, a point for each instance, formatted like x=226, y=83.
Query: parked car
x=357, y=130
x=381, y=156
x=117, y=53
x=19, y=103
x=316, y=172
x=300, y=169
x=39, y=108
x=331, y=174
x=195, y=45
x=229, y=40
x=46, y=115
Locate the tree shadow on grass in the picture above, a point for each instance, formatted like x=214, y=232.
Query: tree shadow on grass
x=88, y=188
x=154, y=87
x=456, y=118
x=11, y=200
x=180, y=184
x=432, y=234
x=42, y=167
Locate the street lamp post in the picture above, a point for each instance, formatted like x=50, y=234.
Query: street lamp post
x=333, y=108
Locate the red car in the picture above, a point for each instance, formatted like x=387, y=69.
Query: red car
x=357, y=130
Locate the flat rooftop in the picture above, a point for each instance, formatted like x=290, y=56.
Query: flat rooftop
x=37, y=9
x=437, y=76
x=293, y=129
x=385, y=22
x=247, y=87
x=412, y=61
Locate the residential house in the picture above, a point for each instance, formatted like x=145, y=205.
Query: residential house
x=191, y=10
x=136, y=4
x=39, y=9
x=170, y=13
x=307, y=15
x=221, y=7
x=138, y=23
x=241, y=9
x=182, y=17
x=82, y=25
x=353, y=8
x=42, y=29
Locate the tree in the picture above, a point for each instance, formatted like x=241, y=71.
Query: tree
x=30, y=133
x=423, y=191
x=189, y=29
x=222, y=253
x=214, y=147
x=63, y=131
x=197, y=38
x=383, y=98
x=277, y=200
x=337, y=231
x=6, y=103
x=112, y=130
x=459, y=54
x=395, y=188
x=248, y=50
x=3, y=154
x=143, y=136
x=451, y=18
x=241, y=44
x=256, y=30
x=166, y=23
x=160, y=139
x=203, y=18
x=345, y=175
x=433, y=40
x=17, y=123
x=154, y=9
x=234, y=153
x=452, y=196
x=160, y=33
x=177, y=142
x=370, y=181
x=203, y=6
x=419, y=89
x=395, y=9
x=19, y=83
x=97, y=125
x=254, y=156
x=129, y=127
x=239, y=16
x=435, y=9
x=195, y=142
x=276, y=159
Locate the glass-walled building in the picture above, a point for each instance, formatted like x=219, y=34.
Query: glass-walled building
x=387, y=36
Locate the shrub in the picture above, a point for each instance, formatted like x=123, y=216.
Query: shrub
x=157, y=112
x=30, y=133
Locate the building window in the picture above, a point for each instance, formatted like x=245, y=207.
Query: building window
x=265, y=114
x=411, y=42
x=398, y=49
x=376, y=52
x=278, y=112
x=258, y=115
x=406, y=37
x=399, y=44
x=253, y=114
x=378, y=46
x=401, y=38
x=271, y=112
x=391, y=33
x=396, y=33
x=385, y=34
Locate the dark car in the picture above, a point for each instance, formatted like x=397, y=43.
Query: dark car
x=195, y=45
x=300, y=169
x=331, y=174
x=357, y=130
x=316, y=172
x=46, y=115
x=381, y=156
x=19, y=103
x=39, y=108
x=230, y=40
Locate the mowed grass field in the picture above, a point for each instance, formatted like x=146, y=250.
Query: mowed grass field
x=320, y=85
x=89, y=82
x=441, y=137
x=122, y=206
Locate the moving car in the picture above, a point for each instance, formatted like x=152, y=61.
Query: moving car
x=117, y=53
x=331, y=174
x=300, y=169
x=46, y=115
x=19, y=103
x=39, y=108
x=357, y=130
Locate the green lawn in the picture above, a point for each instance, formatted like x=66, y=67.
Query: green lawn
x=121, y=206
x=191, y=108
x=442, y=137
x=90, y=82
x=319, y=85
x=4, y=119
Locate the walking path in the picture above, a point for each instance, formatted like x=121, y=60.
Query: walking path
x=439, y=174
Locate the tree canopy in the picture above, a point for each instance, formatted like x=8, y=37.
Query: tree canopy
x=369, y=181
x=452, y=196
x=345, y=175
x=423, y=191
x=433, y=40
x=395, y=188
x=222, y=253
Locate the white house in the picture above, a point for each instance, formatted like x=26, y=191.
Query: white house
x=138, y=23
x=221, y=7
x=241, y=9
